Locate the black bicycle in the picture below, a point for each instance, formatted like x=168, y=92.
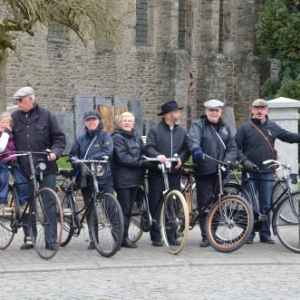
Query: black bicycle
x=40, y=214
x=229, y=217
x=285, y=206
x=102, y=212
x=173, y=222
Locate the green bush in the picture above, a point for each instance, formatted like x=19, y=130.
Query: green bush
x=62, y=162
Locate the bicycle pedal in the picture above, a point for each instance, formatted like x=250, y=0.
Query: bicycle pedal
x=67, y=212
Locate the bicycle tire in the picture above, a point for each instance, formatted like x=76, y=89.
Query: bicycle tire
x=174, y=222
x=288, y=232
x=135, y=231
x=277, y=191
x=229, y=224
x=67, y=224
x=8, y=223
x=40, y=222
x=106, y=224
x=235, y=189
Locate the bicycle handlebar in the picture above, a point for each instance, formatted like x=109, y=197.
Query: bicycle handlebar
x=274, y=162
x=219, y=162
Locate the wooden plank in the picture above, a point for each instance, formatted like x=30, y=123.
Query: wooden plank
x=107, y=113
x=118, y=110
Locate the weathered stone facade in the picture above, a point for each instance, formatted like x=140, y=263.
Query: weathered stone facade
x=219, y=61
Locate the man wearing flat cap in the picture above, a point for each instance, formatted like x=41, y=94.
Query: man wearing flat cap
x=210, y=135
x=37, y=129
x=163, y=141
x=255, y=142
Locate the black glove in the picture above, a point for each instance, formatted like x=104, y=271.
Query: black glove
x=248, y=165
x=225, y=172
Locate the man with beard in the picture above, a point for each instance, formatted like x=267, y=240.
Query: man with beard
x=212, y=136
x=163, y=141
x=255, y=142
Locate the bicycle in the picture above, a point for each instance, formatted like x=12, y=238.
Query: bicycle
x=285, y=218
x=229, y=218
x=102, y=212
x=173, y=222
x=36, y=214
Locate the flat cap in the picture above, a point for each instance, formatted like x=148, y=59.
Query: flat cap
x=213, y=104
x=92, y=114
x=260, y=103
x=23, y=92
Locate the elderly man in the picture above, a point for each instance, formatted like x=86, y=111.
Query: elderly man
x=163, y=141
x=212, y=136
x=37, y=129
x=255, y=142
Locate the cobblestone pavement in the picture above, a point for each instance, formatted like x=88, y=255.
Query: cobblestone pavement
x=255, y=271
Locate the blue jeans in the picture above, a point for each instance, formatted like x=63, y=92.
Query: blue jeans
x=264, y=192
x=21, y=184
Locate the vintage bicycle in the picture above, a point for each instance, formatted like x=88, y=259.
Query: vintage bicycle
x=229, y=218
x=285, y=206
x=173, y=221
x=102, y=212
x=38, y=215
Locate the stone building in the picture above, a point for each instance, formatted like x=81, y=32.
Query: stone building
x=187, y=50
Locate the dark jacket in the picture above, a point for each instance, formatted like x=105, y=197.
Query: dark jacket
x=251, y=145
x=161, y=140
x=38, y=131
x=126, y=163
x=10, y=145
x=102, y=146
x=203, y=135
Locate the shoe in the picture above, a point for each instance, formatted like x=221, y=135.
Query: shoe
x=91, y=246
x=249, y=242
x=51, y=246
x=204, y=243
x=267, y=241
x=174, y=243
x=127, y=243
x=26, y=246
x=157, y=243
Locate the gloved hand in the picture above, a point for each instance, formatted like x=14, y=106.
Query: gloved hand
x=248, y=165
x=198, y=155
x=75, y=165
x=225, y=172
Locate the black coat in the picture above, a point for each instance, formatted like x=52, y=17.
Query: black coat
x=38, y=132
x=102, y=146
x=251, y=145
x=161, y=140
x=203, y=135
x=126, y=163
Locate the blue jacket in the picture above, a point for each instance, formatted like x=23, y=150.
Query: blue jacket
x=102, y=146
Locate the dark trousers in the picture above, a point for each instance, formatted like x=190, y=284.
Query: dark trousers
x=126, y=198
x=49, y=204
x=156, y=187
x=204, y=189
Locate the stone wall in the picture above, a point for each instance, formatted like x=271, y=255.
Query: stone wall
x=219, y=61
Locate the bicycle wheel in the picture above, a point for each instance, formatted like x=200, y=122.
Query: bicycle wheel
x=229, y=224
x=135, y=231
x=288, y=232
x=235, y=189
x=67, y=227
x=106, y=224
x=278, y=191
x=174, y=220
x=45, y=212
x=8, y=222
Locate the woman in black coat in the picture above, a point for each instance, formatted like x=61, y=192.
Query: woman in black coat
x=127, y=167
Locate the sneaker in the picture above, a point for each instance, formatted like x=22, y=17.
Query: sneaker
x=249, y=242
x=127, y=243
x=267, y=241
